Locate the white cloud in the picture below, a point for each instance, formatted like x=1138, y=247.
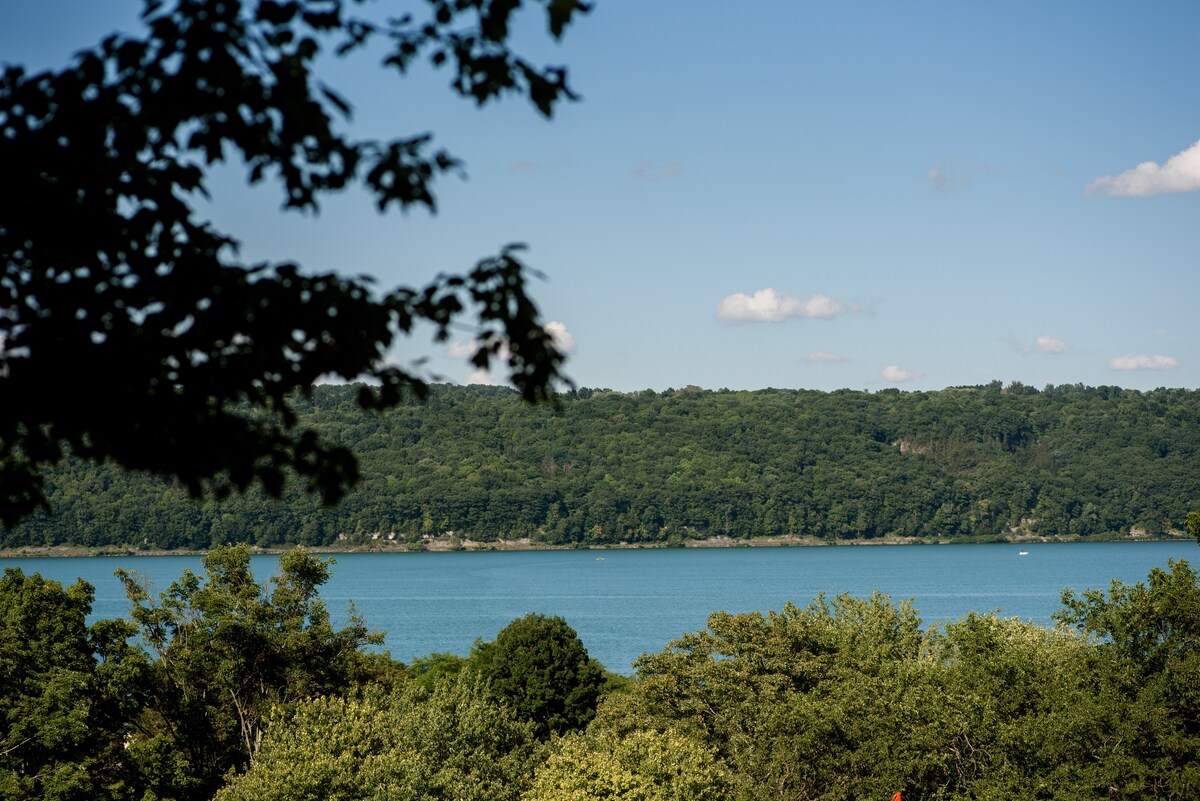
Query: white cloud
x=894, y=373
x=1181, y=173
x=765, y=305
x=563, y=339
x=1045, y=344
x=769, y=306
x=1142, y=362
x=462, y=348
x=821, y=306
x=824, y=357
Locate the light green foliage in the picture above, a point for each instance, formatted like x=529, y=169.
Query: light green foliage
x=405, y=745
x=821, y=702
x=539, y=667
x=227, y=651
x=66, y=692
x=1025, y=711
x=641, y=766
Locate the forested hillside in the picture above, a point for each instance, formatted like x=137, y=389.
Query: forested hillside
x=650, y=467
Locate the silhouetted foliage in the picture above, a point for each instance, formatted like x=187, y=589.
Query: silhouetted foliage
x=114, y=287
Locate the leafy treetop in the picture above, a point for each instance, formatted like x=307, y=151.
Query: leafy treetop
x=226, y=650
x=539, y=667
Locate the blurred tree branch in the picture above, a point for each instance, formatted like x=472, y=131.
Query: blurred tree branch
x=129, y=329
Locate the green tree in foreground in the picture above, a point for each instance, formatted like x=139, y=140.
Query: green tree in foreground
x=832, y=701
x=246, y=692
x=849, y=699
x=1148, y=640
x=191, y=356
x=538, y=666
x=227, y=651
x=1024, y=713
x=67, y=693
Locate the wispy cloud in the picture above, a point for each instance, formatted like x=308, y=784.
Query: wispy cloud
x=943, y=179
x=657, y=171
x=1165, y=334
x=824, y=357
x=1142, y=361
x=948, y=177
x=894, y=373
x=1045, y=344
x=769, y=306
x=1041, y=344
x=1181, y=173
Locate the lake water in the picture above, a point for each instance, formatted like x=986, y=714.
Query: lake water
x=624, y=603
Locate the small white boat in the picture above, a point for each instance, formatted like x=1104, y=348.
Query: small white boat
x=1022, y=553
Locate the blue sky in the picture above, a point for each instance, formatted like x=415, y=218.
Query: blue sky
x=796, y=194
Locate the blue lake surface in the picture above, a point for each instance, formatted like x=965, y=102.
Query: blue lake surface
x=624, y=603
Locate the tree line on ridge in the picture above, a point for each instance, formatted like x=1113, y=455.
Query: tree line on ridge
x=604, y=467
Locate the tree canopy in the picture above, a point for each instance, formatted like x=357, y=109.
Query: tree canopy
x=191, y=357
x=538, y=666
x=452, y=741
x=845, y=698
x=227, y=650
x=66, y=690
x=850, y=698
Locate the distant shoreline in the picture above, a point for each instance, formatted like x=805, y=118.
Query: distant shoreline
x=447, y=545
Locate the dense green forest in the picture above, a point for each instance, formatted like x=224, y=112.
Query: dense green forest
x=222, y=688
x=605, y=467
